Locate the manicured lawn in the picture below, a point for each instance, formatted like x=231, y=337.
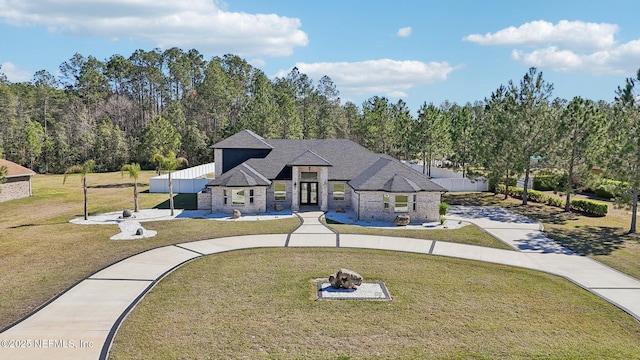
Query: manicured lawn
x=42, y=254
x=466, y=235
x=442, y=307
x=257, y=304
x=45, y=254
x=603, y=238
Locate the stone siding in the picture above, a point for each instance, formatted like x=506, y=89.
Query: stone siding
x=15, y=188
x=204, y=199
x=286, y=203
x=259, y=200
x=371, y=206
x=323, y=185
x=348, y=193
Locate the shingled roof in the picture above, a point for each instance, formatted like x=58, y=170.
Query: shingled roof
x=345, y=159
x=388, y=174
x=245, y=139
x=309, y=158
x=15, y=170
x=241, y=175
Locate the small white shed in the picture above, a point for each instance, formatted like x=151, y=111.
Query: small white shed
x=187, y=181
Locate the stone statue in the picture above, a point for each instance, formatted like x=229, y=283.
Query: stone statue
x=345, y=279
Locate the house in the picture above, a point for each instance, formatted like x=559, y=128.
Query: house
x=18, y=184
x=254, y=175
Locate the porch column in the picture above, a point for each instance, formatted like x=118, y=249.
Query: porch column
x=295, y=189
x=324, y=188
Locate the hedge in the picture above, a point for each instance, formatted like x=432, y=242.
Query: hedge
x=586, y=206
x=545, y=182
x=608, y=188
x=549, y=182
x=589, y=207
x=533, y=195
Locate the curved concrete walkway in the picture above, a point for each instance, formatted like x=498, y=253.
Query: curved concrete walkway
x=81, y=322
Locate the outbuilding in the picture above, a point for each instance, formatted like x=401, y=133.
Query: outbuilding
x=18, y=181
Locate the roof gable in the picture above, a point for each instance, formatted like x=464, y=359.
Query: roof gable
x=242, y=175
x=399, y=183
x=309, y=158
x=388, y=174
x=15, y=170
x=245, y=139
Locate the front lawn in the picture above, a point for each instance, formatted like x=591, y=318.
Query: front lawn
x=258, y=304
x=42, y=254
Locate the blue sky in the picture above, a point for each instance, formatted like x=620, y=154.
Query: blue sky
x=415, y=50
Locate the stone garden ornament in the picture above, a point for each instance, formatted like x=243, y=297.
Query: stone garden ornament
x=345, y=279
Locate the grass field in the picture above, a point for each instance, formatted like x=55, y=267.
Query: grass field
x=257, y=304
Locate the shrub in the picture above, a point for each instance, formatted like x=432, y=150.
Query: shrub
x=536, y=196
x=589, y=207
x=442, y=210
x=493, y=184
x=533, y=195
x=545, y=182
x=554, y=201
x=601, y=192
x=608, y=189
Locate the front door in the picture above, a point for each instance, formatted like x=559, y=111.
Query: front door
x=308, y=193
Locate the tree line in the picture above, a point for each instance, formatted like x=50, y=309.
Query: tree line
x=125, y=110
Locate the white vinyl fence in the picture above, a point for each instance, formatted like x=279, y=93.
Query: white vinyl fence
x=187, y=181
x=452, y=180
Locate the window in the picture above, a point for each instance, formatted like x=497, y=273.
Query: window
x=251, y=196
x=415, y=200
x=224, y=197
x=308, y=176
x=237, y=197
x=338, y=191
x=385, y=200
x=280, y=191
x=401, y=203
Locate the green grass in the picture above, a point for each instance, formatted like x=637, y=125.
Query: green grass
x=603, y=238
x=257, y=304
x=469, y=234
x=45, y=254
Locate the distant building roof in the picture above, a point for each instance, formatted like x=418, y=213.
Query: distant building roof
x=15, y=170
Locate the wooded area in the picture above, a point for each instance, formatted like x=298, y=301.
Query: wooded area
x=124, y=110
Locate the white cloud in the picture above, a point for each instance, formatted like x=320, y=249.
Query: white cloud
x=404, y=32
x=186, y=24
x=384, y=76
x=15, y=74
x=397, y=94
x=569, y=46
x=569, y=34
x=619, y=61
x=258, y=63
